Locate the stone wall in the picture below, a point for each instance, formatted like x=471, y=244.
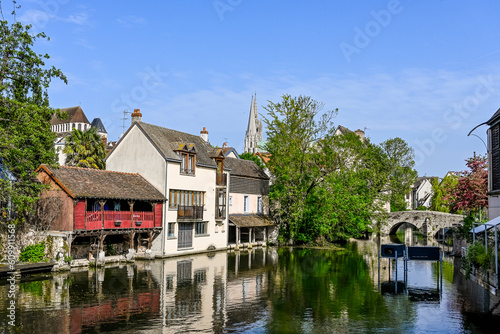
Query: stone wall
x=56, y=243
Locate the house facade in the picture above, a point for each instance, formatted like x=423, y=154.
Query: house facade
x=249, y=221
x=421, y=193
x=75, y=119
x=189, y=172
x=92, y=206
x=493, y=133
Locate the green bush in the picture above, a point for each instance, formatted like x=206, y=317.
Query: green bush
x=422, y=208
x=33, y=253
x=477, y=257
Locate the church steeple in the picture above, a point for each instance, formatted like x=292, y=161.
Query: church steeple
x=254, y=129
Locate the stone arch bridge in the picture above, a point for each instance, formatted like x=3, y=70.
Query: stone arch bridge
x=428, y=222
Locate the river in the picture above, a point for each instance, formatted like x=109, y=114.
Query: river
x=262, y=290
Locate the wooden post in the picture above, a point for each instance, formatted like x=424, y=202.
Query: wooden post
x=150, y=239
x=153, y=206
x=131, y=203
x=131, y=241
x=238, y=233
x=102, y=203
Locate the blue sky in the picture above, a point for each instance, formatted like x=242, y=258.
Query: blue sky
x=425, y=71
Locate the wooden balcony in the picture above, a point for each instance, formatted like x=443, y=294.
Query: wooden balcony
x=221, y=180
x=94, y=220
x=189, y=212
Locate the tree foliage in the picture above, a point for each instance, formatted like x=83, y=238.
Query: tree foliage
x=252, y=157
x=25, y=137
x=401, y=172
x=470, y=192
x=85, y=149
x=441, y=191
x=327, y=187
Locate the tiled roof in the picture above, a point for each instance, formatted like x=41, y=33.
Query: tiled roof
x=167, y=141
x=94, y=183
x=75, y=115
x=250, y=220
x=247, y=168
x=343, y=130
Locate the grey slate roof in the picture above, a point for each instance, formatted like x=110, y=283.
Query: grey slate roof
x=494, y=118
x=246, y=168
x=94, y=183
x=75, y=115
x=97, y=123
x=167, y=141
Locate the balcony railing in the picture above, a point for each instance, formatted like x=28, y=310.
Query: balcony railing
x=221, y=180
x=190, y=212
x=118, y=220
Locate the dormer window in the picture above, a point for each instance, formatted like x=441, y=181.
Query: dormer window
x=187, y=153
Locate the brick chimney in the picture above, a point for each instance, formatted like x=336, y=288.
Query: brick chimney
x=360, y=133
x=204, y=134
x=136, y=116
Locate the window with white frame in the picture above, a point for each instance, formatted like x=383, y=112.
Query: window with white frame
x=171, y=230
x=246, y=204
x=259, y=204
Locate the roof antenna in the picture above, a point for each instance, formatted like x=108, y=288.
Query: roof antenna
x=124, y=118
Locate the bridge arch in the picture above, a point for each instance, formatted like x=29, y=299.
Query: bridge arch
x=428, y=222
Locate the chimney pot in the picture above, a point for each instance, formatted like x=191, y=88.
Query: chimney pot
x=136, y=116
x=204, y=134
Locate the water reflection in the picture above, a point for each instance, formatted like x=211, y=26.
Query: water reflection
x=271, y=290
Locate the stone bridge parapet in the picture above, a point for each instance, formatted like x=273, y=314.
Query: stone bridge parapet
x=428, y=222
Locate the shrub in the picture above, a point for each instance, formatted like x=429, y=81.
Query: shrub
x=33, y=253
x=477, y=257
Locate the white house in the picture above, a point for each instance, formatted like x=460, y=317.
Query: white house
x=75, y=119
x=189, y=172
x=421, y=193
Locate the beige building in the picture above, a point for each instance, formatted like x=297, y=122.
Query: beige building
x=190, y=173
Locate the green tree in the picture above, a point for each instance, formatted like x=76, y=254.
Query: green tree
x=327, y=187
x=401, y=172
x=85, y=149
x=26, y=140
x=252, y=157
x=441, y=191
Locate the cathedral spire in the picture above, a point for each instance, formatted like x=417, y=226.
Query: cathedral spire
x=254, y=129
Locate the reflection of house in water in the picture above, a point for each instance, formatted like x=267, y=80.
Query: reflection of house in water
x=118, y=297
x=197, y=290
x=139, y=300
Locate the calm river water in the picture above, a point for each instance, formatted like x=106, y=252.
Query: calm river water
x=273, y=290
